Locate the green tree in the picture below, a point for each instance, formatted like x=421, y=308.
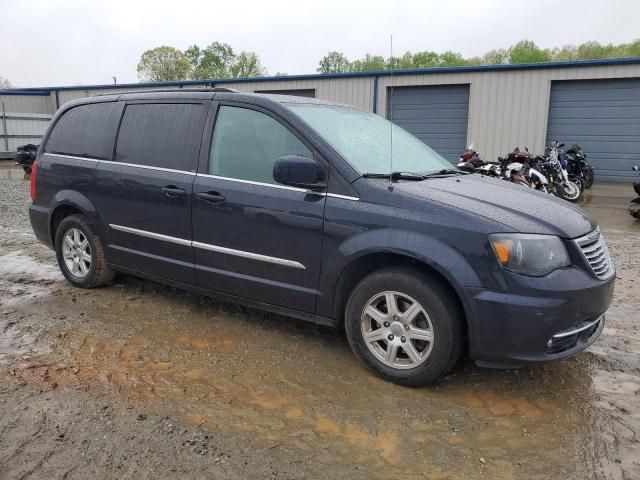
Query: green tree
x=452, y=59
x=495, y=57
x=425, y=59
x=525, y=51
x=219, y=60
x=163, y=64
x=334, y=62
x=368, y=63
x=247, y=64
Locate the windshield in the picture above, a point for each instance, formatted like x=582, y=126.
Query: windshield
x=364, y=140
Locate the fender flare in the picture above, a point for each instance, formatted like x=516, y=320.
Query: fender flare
x=439, y=256
x=77, y=200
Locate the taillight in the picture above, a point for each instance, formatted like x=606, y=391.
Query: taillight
x=34, y=168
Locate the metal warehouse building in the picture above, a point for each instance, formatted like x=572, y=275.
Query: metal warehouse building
x=593, y=103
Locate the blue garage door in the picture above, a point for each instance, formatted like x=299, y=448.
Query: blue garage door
x=603, y=117
x=437, y=115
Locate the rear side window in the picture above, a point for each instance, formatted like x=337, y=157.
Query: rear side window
x=86, y=131
x=247, y=143
x=165, y=135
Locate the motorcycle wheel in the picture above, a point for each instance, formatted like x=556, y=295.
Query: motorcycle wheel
x=587, y=174
x=578, y=181
x=570, y=191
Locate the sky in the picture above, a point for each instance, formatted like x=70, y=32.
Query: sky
x=85, y=42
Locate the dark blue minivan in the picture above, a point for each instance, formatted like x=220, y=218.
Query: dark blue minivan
x=323, y=212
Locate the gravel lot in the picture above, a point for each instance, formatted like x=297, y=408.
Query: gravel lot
x=138, y=380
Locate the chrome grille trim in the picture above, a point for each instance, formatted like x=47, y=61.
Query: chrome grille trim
x=580, y=327
x=595, y=251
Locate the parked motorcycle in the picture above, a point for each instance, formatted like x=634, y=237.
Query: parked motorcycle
x=26, y=156
x=556, y=173
x=514, y=168
x=578, y=167
x=517, y=168
x=470, y=160
x=634, y=207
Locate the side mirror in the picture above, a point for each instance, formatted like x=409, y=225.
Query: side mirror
x=635, y=167
x=299, y=171
x=561, y=145
x=500, y=159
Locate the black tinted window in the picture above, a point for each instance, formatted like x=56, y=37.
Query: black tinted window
x=246, y=144
x=161, y=135
x=86, y=131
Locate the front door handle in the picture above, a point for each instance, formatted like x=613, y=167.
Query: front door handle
x=211, y=197
x=172, y=191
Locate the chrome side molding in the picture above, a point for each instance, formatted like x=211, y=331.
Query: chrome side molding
x=155, y=236
x=212, y=248
x=253, y=256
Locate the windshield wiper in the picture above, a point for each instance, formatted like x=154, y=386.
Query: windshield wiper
x=445, y=171
x=395, y=175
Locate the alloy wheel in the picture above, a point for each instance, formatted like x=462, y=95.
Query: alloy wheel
x=76, y=252
x=397, y=330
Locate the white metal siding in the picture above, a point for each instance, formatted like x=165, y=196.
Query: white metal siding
x=27, y=103
x=21, y=128
x=353, y=91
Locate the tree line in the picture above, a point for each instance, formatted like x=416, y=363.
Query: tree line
x=220, y=60
x=524, y=51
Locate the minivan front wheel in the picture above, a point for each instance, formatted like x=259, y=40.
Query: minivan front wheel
x=80, y=253
x=404, y=326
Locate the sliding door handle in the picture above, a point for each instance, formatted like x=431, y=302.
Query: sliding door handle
x=211, y=197
x=171, y=191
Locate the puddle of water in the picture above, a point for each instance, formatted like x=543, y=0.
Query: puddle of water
x=25, y=268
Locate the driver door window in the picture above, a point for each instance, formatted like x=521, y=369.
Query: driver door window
x=247, y=143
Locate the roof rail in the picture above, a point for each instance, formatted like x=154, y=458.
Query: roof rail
x=159, y=90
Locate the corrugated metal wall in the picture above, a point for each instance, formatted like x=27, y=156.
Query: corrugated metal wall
x=23, y=119
x=506, y=107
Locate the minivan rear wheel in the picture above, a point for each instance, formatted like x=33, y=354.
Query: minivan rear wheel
x=404, y=326
x=80, y=253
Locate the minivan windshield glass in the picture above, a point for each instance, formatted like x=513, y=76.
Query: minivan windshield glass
x=365, y=140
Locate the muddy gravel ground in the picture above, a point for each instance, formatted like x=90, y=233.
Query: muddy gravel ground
x=138, y=380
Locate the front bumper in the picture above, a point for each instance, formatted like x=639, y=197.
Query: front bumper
x=543, y=322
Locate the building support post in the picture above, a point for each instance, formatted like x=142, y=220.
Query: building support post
x=374, y=95
x=4, y=128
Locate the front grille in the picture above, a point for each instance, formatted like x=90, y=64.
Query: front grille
x=595, y=250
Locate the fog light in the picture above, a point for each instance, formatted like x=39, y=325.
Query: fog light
x=549, y=342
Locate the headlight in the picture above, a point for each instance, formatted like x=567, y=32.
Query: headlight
x=534, y=255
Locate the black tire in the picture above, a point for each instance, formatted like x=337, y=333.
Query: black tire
x=98, y=272
x=571, y=198
x=444, y=312
x=578, y=181
x=588, y=177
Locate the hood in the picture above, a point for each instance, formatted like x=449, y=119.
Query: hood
x=523, y=209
